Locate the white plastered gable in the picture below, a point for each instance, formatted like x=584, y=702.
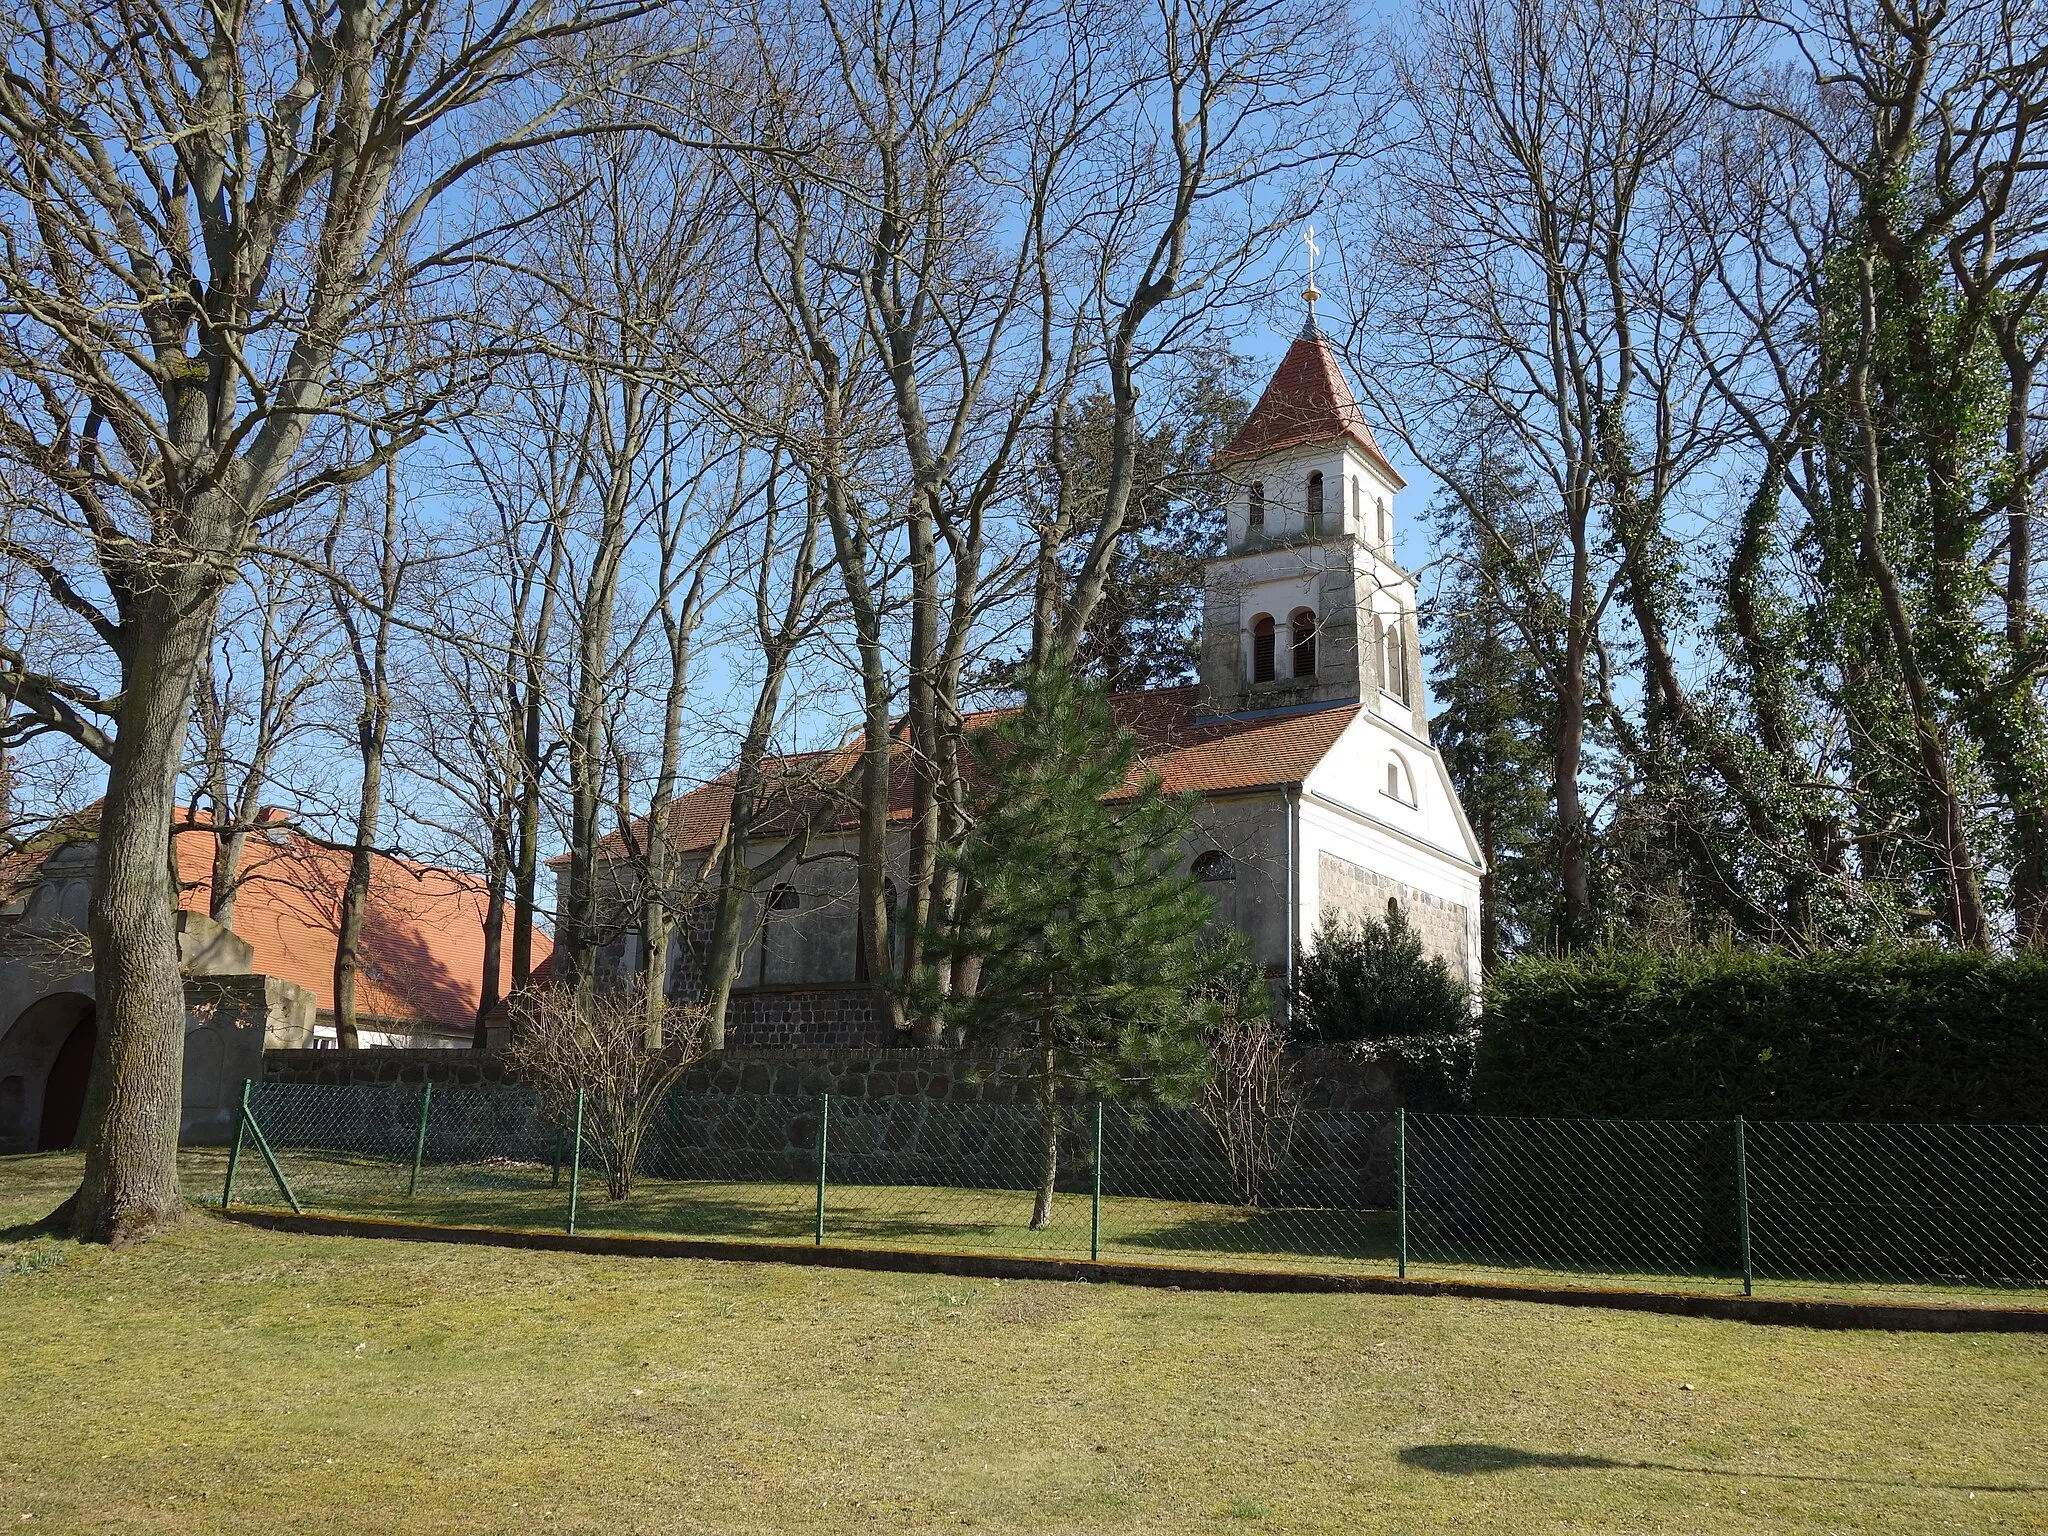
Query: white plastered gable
x=1366, y=838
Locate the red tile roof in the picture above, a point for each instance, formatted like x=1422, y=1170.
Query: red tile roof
x=423, y=939
x=1214, y=756
x=1308, y=401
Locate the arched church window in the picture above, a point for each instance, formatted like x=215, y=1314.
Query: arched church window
x=1393, y=909
x=1262, y=648
x=1394, y=662
x=1399, y=785
x=1386, y=524
x=1214, y=865
x=1256, y=500
x=1312, y=523
x=1304, y=638
x=1357, y=503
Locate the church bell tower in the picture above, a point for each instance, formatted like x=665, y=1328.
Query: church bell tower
x=1306, y=608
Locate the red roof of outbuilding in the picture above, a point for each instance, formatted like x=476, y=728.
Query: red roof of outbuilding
x=423, y=938
x=1308, y=401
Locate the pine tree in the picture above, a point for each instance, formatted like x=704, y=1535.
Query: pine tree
x=1094, y=966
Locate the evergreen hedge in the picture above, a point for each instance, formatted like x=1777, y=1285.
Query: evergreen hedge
x=1893, y=1034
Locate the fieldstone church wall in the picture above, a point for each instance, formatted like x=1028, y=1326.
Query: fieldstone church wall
x=848, y=1018
x=1351, y=892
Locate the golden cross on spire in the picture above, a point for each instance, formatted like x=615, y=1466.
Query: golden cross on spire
x=1311, y=293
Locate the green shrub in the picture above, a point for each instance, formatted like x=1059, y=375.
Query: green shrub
x=1885, y=1034
x=1371, y=981
x=1371, y=987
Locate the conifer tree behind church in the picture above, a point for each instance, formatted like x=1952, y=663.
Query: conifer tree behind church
x=1094, y=965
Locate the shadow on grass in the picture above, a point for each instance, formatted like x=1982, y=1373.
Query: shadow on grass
x=1467, y=1460
x=56, y=1224
x=1471, y=1459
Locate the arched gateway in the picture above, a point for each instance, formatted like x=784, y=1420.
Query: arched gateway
x=45, y=1067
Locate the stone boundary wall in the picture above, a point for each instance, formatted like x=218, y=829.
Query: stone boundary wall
x=902, y=1116
x=1330, y=1079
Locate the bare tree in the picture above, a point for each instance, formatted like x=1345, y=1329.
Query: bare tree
x=370, y=635
x=1251, y=1100
x=276, y=623
x=785, y=586
x=617, y=276
x=997, y=202
x=1525, y=291
x=203, y=211
x=592, y=1046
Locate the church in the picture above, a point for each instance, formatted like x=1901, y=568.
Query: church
x=1306, y=739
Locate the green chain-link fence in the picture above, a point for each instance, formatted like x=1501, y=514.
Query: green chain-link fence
x=1715, y=1204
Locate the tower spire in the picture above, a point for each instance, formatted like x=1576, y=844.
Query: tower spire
x=1311, y=293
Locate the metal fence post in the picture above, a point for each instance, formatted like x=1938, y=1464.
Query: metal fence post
x=824, y=1133
x=1742, y=1205
x=269, y=1157
x=227, y=1193
x=419, y=1147
x=1095, y=1212
x=1401, y=1192
x=576, y=1164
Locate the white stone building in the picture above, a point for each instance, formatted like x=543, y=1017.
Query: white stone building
x=1306, y=738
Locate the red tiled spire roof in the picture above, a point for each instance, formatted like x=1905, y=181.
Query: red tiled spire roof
x=1308, y=401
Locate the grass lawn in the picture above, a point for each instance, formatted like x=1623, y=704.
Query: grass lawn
x=225, y=1379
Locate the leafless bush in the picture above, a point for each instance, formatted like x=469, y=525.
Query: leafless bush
x=1251, y=1100
x=596, y=1044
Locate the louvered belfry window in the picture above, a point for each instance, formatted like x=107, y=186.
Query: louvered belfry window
x=1304, y=638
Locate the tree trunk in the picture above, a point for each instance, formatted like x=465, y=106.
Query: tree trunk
x=1489, y=892
x=355, y=896
x=488, y=996
x=1575, y=898
x=657, y=876
x=227, y=869
x=578, y=934
x=526, y=878
x=130, y=1186
x=722, y=953
x=874, y=827
x=1048, y=1143
x=921, y=860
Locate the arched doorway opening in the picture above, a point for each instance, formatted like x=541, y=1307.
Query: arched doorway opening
x=45, y=1067
x=64, y=1089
